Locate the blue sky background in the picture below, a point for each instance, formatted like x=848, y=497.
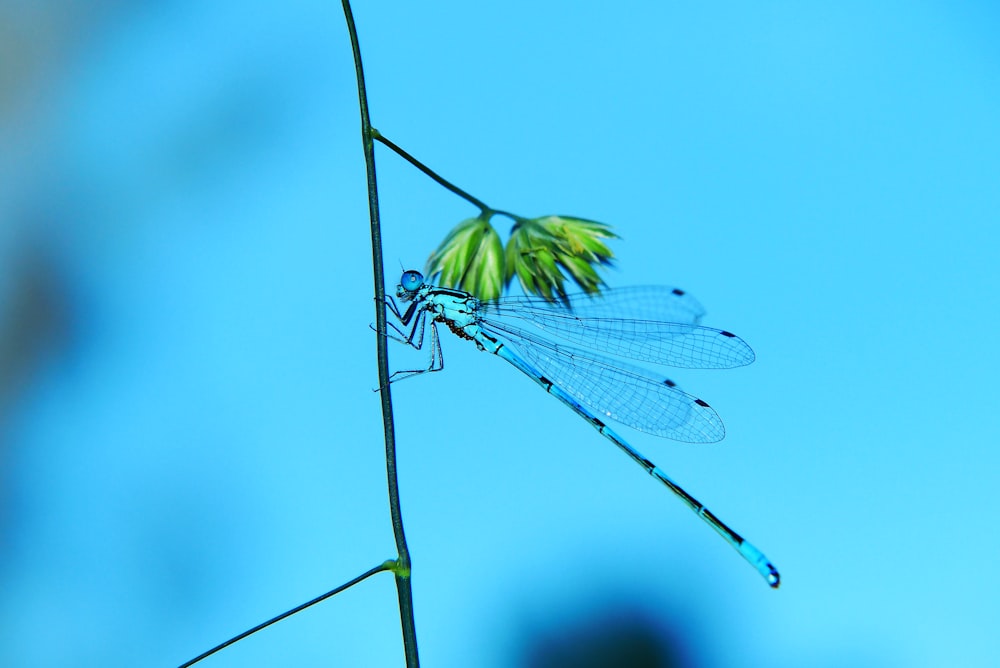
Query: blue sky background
x=190, y=439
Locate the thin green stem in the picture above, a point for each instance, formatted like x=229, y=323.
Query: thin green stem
x=402, y=573
x=378, y=136
x=384, y=566
x=443, y=182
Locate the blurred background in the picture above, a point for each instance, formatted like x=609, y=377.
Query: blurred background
x=189, y=438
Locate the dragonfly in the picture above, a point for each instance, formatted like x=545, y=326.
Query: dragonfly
x=570, y=349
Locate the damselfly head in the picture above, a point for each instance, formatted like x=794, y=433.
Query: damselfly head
x=409, y=283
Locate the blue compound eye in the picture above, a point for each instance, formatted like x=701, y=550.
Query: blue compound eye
x=411, y=281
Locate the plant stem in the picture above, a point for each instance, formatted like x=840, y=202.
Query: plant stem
x=443, y=182
x=402, y=572
x=385, y=566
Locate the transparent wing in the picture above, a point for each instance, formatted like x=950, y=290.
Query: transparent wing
x=665, y=304
x=625, y=394
x=674, y=344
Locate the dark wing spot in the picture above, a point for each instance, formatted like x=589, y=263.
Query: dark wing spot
x=678, y=292
x=669, y=383
x=729, y=334
x=701, y=403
